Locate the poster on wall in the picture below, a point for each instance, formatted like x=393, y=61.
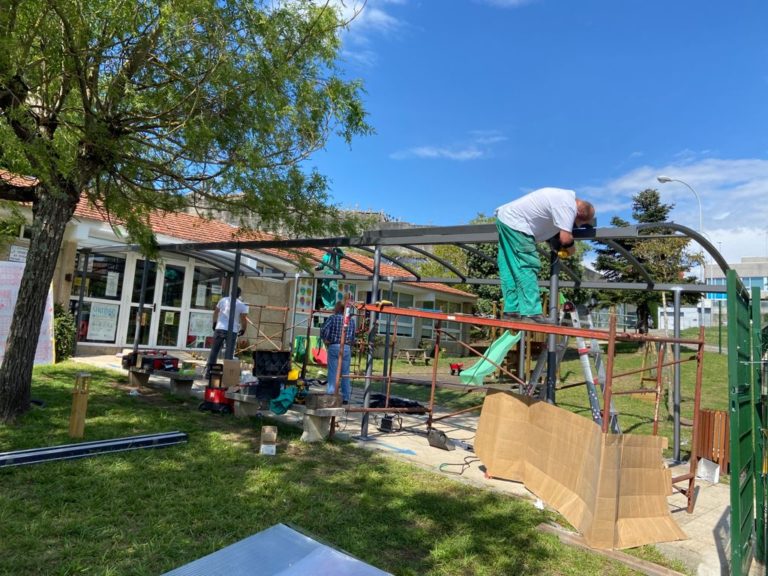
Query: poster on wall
x=10, y=280
x=305, y=295
x=102, y=322
x=346, y=289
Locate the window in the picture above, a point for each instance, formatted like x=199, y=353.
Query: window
x=102, y=290
x=404, y=323
x=453, y=328
x=103, y=278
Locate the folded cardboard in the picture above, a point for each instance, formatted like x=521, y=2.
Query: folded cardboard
x=612, y=487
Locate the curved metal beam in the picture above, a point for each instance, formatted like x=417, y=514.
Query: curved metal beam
x=631, y=259
x=476, y=252
x=395, y=262
x=440, y=261
x=355, y=261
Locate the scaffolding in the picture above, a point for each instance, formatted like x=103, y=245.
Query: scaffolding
x=605, y=415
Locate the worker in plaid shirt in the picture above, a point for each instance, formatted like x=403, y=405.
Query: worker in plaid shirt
x=331, y=335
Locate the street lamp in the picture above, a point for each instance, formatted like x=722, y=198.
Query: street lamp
x=677, y=393
x=666, y=179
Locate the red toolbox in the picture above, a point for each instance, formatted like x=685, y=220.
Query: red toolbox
x=158, y=361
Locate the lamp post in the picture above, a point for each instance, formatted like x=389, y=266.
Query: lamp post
x=666, y=179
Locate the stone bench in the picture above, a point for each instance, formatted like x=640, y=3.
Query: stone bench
x=181, y=384
x=316, y=422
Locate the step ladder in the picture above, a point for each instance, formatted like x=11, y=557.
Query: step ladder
x=571, y=311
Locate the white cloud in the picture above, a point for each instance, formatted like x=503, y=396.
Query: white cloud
x=430, y=152
x=367, y=19
x=479, y=145
x=733, y=194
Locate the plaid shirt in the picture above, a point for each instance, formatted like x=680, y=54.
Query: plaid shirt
x=331, y=330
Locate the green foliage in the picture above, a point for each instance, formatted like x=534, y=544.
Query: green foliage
x=158, y=106
x=161, y=106
x=64, y=332
x=454, y=256
x=666, y=260
x=11, y=222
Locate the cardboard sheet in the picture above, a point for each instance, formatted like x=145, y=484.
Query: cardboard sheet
x=612, y=487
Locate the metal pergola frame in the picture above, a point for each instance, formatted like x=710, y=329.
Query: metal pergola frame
x=221, y=254
x=241, y=257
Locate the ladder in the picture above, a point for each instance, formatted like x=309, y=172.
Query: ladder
x=585, y=351
x=541, y=363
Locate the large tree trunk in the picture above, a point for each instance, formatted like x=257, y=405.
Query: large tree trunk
x=51, y=215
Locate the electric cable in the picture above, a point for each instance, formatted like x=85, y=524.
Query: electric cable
x=468, y=461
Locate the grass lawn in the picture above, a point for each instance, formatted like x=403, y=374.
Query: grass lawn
x=145, y=512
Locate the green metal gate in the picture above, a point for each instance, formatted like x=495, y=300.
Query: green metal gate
x=747, y=412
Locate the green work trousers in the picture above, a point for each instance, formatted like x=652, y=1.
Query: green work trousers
x=519, y=267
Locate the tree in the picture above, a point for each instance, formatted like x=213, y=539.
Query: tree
x=666, y=260
x=161, y=106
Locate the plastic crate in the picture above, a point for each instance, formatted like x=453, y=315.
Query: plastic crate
x=271, y=363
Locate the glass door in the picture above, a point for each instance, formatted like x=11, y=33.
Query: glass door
x=171, y=299
x=145, y=321
x=160, y=319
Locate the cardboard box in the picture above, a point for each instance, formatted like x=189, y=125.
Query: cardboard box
x=269, y=434
x=268, y=440
x=231, y=373
x=612, y=487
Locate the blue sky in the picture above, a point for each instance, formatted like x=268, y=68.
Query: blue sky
x=476, y=102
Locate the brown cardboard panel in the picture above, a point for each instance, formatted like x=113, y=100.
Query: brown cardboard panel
x=612, y=488
x=231, y=374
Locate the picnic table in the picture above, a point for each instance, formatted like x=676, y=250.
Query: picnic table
x=412, y=355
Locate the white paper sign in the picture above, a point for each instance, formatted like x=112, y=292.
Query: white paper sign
x=102, y=321
x=200, y=323
x=112, y=280
x=200, y=296
x=18, y=253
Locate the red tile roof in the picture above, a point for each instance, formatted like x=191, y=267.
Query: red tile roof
x=194, y=228
x=17, y=181
x=189, y=227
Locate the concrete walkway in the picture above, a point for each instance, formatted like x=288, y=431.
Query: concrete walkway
x=704, y=553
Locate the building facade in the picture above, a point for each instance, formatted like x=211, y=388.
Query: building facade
x=181, y=292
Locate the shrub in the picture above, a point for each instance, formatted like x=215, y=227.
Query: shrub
x=64, y=330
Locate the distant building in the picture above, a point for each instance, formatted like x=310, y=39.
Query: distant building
x=753, y=271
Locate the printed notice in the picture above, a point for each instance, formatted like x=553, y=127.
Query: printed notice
x=102, y=322
x=112, y=280
x=200, y=295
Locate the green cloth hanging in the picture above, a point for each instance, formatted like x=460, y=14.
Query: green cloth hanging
x=281, y=404
x=329, y=289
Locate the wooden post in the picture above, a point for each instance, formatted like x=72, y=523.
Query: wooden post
x=79, y=405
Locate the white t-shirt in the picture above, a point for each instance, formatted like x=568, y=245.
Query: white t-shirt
x=222, y=322
x=541, y=214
